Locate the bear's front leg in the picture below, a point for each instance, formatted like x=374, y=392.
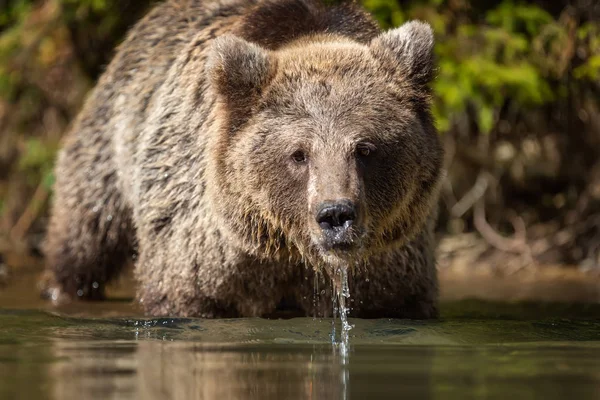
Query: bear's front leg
x=212, y=283
x=90, y=236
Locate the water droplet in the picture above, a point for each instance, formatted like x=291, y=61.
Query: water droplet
x=80, y=293
x=95, y=285
x=109, y=218
x=367, y=280
x=96, y=209
x=322, y=292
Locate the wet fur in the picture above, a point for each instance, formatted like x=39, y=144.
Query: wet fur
x=161, y=164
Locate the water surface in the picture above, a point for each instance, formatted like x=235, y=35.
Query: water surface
x=476, y=350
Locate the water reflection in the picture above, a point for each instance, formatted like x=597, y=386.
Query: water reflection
x=176, y=370
x=152, y=369
x=232, y=359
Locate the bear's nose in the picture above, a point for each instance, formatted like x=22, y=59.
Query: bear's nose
x=336, y=215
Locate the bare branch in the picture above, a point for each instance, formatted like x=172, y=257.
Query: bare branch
x=472, y=196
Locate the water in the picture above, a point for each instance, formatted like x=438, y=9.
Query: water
x=476, y=350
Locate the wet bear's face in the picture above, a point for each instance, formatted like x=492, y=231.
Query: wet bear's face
x=328, y=145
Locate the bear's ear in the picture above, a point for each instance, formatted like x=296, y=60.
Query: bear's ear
x=239, y=70
x=409, y=49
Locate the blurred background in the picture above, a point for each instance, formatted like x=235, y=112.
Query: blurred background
x=517, y=102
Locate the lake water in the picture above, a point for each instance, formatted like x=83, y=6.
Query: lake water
x=476, y=350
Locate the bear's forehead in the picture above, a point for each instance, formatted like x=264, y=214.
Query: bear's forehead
x=311, y=115
x=333, y=88
x=327, y=60
x=328, y=77
x=312, y=94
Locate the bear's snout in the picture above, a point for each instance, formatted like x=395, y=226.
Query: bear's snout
x=336, y=219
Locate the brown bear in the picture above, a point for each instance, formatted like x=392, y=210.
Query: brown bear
x=242, y=151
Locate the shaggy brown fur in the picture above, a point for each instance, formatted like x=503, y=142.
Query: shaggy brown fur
x=214, y=136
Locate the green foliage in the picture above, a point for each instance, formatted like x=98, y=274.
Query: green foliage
x=83, y=10
x=14, y=11
x=11, y=27
x=37, y=160
x=590, y=69
x=514, y=53
x=388, y=12
x=51, y=51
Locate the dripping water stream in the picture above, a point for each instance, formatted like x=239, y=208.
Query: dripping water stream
x=341, y=297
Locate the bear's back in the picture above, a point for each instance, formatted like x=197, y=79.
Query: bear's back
x=152, y=46
x=275, y=23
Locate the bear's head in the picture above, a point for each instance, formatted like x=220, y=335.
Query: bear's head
x=326, y=147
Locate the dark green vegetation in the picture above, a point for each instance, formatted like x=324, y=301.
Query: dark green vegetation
x=51, y=53
x=516, y=99
x=489, y=351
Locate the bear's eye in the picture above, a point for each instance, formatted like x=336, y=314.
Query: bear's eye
x=365, y=149
x=299, y=157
